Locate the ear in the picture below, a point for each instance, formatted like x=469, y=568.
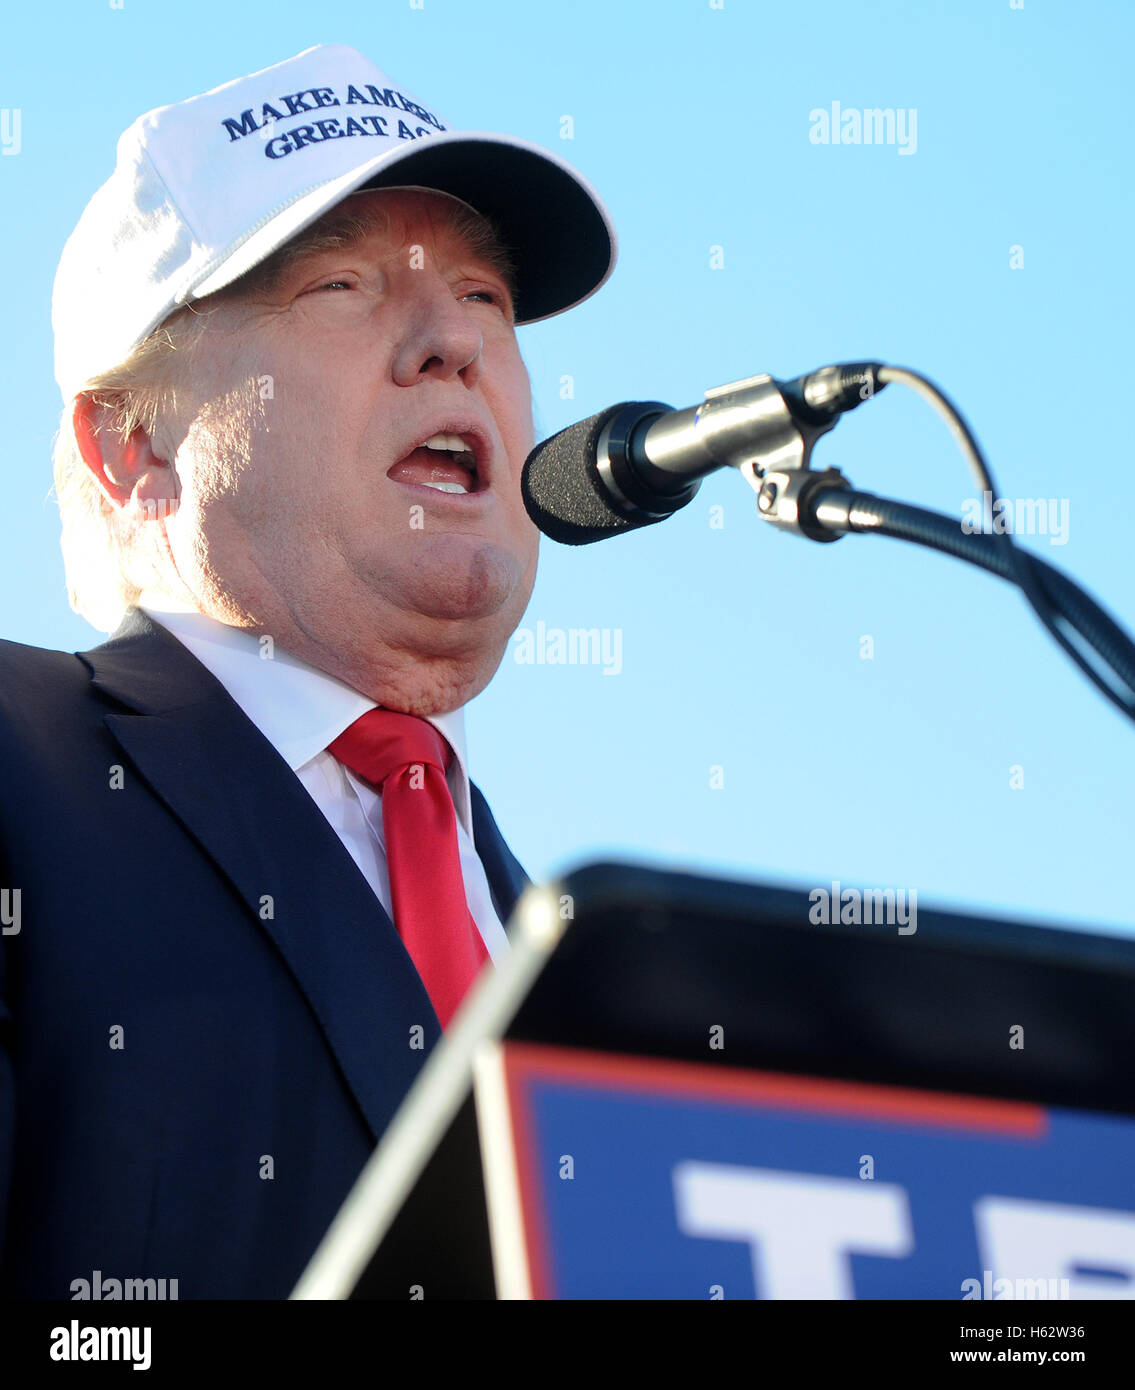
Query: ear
x=129, y=473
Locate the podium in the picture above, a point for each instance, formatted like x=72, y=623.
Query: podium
x=679, y=1087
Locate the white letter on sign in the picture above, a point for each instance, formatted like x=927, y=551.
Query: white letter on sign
x=801, y=1228
x=1034, y=1241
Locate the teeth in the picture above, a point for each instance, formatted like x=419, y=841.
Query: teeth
x=447, y=487
x=452, y=442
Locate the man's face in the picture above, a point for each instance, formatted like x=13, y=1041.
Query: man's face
x=305, y=505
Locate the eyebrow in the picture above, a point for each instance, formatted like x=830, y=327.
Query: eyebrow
x=342, y=230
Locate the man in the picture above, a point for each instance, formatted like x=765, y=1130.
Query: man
x=248, y=880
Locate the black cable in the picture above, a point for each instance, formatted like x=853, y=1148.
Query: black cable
x=1024, y=568
x=883, y=516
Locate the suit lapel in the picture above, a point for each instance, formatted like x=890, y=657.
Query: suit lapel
x=507, y=880
x=245, y=807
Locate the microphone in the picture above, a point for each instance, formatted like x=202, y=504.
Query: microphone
x=641, y=461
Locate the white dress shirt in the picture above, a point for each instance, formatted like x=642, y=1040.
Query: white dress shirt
x=300, y=710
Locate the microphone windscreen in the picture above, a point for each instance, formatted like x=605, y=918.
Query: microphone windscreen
x=562, y=489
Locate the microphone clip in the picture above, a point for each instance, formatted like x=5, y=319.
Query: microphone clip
x=794, y=416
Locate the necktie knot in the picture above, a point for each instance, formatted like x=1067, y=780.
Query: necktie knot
x=384, y=742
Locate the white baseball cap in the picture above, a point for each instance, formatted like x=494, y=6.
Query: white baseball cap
x=205, y=189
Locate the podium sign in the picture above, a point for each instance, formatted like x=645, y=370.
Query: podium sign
x=621, y=1177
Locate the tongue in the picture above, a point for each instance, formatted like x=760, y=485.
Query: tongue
x=430, y=466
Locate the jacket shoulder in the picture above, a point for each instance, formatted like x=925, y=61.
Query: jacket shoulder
x=18, y=661
x=35, y=682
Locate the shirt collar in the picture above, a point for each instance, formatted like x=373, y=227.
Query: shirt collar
x=298, y=708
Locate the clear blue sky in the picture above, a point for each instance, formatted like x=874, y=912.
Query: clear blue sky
x=740, y=647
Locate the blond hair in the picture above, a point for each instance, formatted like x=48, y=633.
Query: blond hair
x=105, y=571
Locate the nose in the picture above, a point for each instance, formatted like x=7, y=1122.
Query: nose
x=440, y=339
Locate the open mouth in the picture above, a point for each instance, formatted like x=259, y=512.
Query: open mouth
x=444, y=462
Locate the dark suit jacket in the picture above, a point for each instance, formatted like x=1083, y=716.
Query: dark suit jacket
x=262, y=1048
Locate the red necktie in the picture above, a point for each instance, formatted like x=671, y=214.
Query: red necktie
x=405, y=759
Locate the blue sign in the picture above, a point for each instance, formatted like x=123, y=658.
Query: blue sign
x=646, y=1179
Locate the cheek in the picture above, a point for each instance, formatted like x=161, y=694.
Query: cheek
x=311, y=441
x=512, y=408
x=244, y=460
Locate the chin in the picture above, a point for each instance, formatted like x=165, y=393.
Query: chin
x=464, y=577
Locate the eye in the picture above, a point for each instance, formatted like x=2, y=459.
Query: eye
x=332, y=284
x=499, y=299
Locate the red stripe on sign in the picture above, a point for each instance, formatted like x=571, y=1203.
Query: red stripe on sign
x=699, y=1083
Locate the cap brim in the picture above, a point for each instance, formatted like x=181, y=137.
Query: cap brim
x=548, y=216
